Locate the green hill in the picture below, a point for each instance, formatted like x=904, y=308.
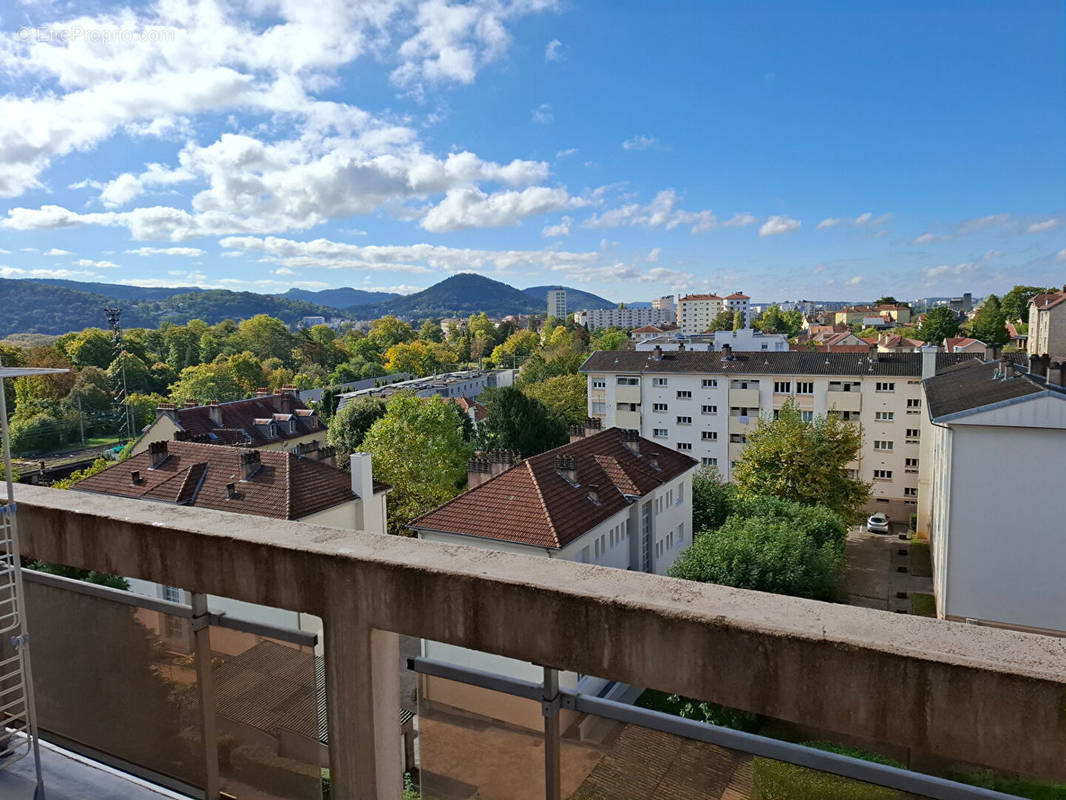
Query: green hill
x=460, y=295
x=344, y=297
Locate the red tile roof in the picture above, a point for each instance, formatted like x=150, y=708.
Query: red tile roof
x=284, y=487
x=1045, y=301
x=700, y=297
x=532, y=503
x=255, y=421
x=738, y=296
x=960, y=341
x=480, y=412
x=666, y=326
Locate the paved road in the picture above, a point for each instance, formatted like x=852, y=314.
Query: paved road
x=872, y=576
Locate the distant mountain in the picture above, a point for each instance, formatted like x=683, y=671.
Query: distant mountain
x=30, y=306
x=576, y=300
x=458, y=296
x=344, y=297
x=119, y=291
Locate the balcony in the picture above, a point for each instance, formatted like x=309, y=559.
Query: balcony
x=736, y=451
x=627, y=419
x=844, y=401
x=627, y=394
x=960, y=692
x=744, y=398
x=742, y=425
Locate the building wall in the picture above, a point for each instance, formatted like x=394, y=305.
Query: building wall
x=707, y=436
x=1000, y=544
x=1047, y=331
x=750, y=340
x=696, y=316
x=599, y=318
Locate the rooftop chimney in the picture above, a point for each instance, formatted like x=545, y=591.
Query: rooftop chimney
x=231, y=491
x=1006, y=367
x=657, y=353
x=284, y=399
x=163, y=408
x=250, y=464
x=576, y=432
x=631, y=439
x=929, y=353
x=157, y=453
x=478, y=470
x=135, y=477
x=727, y=352
x=190, y=403
x=214, y=410
x=594, y=493
x=566, y=466
x=993, y=352
x=1056, y=373
x=262, y=392
x=1038, y=365
x=873, y=353
x=681, y=347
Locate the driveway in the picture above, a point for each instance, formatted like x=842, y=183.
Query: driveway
x=877, y=571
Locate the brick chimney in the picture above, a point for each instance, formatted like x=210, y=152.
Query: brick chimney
x=214, y=410
x=190, y=403
x=631, y=439
x=657, y=353
x=250, y=464
x=157, y=453
x=566, y=466
x=478, y=470
x=262, y=392
x=727, y=352
x=163, y=409
x=285, y=399
x=576, y=432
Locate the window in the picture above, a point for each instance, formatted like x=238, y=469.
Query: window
x=709, y=462
x=807, y=416
x=658, y=381
x=681, y=533
x=914, y=402
x=804, y=387
x=628, y=380
x=782, y=387
x=710, y=383
x=174, y=629
x=884, y=416
x=910, y=491
x=880, y=444
x=599, y=383
x=741, y=384
x=882, y=474
x=628, y=406
x=709, y=436
x=670, y=540
x=599, y=408
x=172, y=594
x=659, y=407
x=709, y=409
x=684, y=420
x=660, y=433
x=738, y=438
x=911, y=465
x=885, y=386
x=680, y=494
x=913, y=434
x=683, y=395
x=844, y=386
x=684, y=445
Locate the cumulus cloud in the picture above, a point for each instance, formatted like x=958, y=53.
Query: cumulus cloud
x=867, y=219
x=776, y=226
x=1061, y=255
x=570, y=151
x=55, y=251
x=189, y=252
x=855, y=280
x=967, y=227
x=829, y=222
x=1045, y=225
x=662, y=212
x=542, y=114
x=557, y=231
x=653, y=256
x=473, y=208
x=554, y=51
x=88, y=262
x=640, y=142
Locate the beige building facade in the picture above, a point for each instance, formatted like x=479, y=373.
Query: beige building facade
x=696, y=312
x=1047, y=324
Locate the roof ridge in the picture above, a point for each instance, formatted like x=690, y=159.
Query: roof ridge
x=288, y=484
x=543, y=504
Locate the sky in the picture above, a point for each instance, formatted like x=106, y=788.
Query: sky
x=790, y=150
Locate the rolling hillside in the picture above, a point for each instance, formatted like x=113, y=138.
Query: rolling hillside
x=344, y=297
x=459, y=295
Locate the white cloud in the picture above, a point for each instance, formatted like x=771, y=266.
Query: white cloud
x=1061, y=255
x=640, y=142
x=855, y=280
x=1046, y=225
x=776, y=226
x=88, y=262
x=557, y=231
x=944, y=270
x=570, y=151
x=11, y=272
x=627, y=272
x=55, y=251
x=967, y=227
x=662, y=212
x=830, y=222
x=867, y=219
x=554, y=51
x=926, y=238
x=542, y=114
x=284, y=271
x=473, y=208
x=190, y=252
x=653, y=256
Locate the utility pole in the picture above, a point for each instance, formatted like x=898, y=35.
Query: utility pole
x=81, y=421
x=120, y=393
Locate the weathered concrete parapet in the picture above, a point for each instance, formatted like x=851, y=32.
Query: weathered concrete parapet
x=982, y=695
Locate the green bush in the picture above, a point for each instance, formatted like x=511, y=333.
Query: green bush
x=700, y=710
x=1009, y=783
x=776, y=780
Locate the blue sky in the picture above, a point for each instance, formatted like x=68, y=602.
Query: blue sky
x=789, y=150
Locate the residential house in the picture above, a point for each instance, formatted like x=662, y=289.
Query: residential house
x=646, y=332
x=749, y=340
x=873, y=316
x=1047, y=324
x=992, y=475
x=267, y=421
x=706, y=404
x=965, y=344
x=474, y=410
x=609, y=498
x=738, y=301
x=894, y=343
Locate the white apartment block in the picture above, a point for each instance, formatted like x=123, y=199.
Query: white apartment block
x=557, y=303
x=738, y=301
x=599, y=318
x=696, y=312
x=665, y=303
x=993, y=445
x=1047, y=324
x=705, y=404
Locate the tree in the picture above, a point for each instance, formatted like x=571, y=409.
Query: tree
x=431, y=331
x=419, y=357
x=990, y=322
x=889, y=300
x=517, y=422
x=766, y=554
x=565, y=396
x=138, y=378
x=389, y=330
x=349, y=425
x=712, y=500
x=418, y=448
x=774, y=320
x=738, y=320
x=205, y=383
x=940, y=324
x=265, y=337
x=91, y=391
x=1015, y=303
x=91, y=347
x=610, y=339
x=803, y=461
x=722, y=322
x=518, y=345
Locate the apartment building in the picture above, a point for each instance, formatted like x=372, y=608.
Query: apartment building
x=738, y=301
x=696, y=312
x=873, y=316
x=598, y=318
x=665, y=303
x=1047, y=324
x=557, y=303
x=993, y=440
x=468, y=383
x=705, y=404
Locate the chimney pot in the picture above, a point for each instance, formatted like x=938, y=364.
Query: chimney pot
x=231, y=490
x=190, y=403
x=657, y=353
x=250, y=462
x=157, y=453
x=1038, y=365
x=214, y=411
x=1056, y=373
x=135, y=476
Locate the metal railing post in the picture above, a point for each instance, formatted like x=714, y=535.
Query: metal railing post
x=205, y=680
x=550, y=704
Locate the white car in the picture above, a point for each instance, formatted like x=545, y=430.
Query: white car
x=878, y=523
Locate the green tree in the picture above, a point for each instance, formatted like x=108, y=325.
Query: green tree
x=803, y=461
x=889, y=300
x=265, y=337
x=92, y=347
x=738, y=320
x=940, y=324
x=92, y=390
x=990, y=322
x=565, y=396
x=11, y=356
x=517, y=422
x=418, y=448
x=350, y=424
x=420, y=357
x=610, y=339
x=766, y=554
x=431, y=331
x=1015, y=303
x=517, y=346
x=137, y=375
x=388, y=331
x=712, y=500
x=722, y=322
x=205, y=383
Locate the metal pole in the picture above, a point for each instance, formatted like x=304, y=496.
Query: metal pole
x=201, y=632
x=20, y=600
x=81, y=421
x=550, y=703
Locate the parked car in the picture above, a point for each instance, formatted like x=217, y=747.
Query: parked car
x=878, y=523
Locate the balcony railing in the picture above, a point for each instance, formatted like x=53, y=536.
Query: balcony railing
x=953, y=691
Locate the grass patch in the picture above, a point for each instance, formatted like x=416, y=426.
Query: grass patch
x=924, y=605
x=921, y=561
x=776, y=780
x=1010, y=784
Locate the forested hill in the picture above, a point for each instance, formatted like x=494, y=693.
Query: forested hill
x=34, y=307
x=459, y=295
x=344, y=297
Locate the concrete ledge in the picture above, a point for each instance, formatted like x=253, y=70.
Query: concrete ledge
x=987, y=696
